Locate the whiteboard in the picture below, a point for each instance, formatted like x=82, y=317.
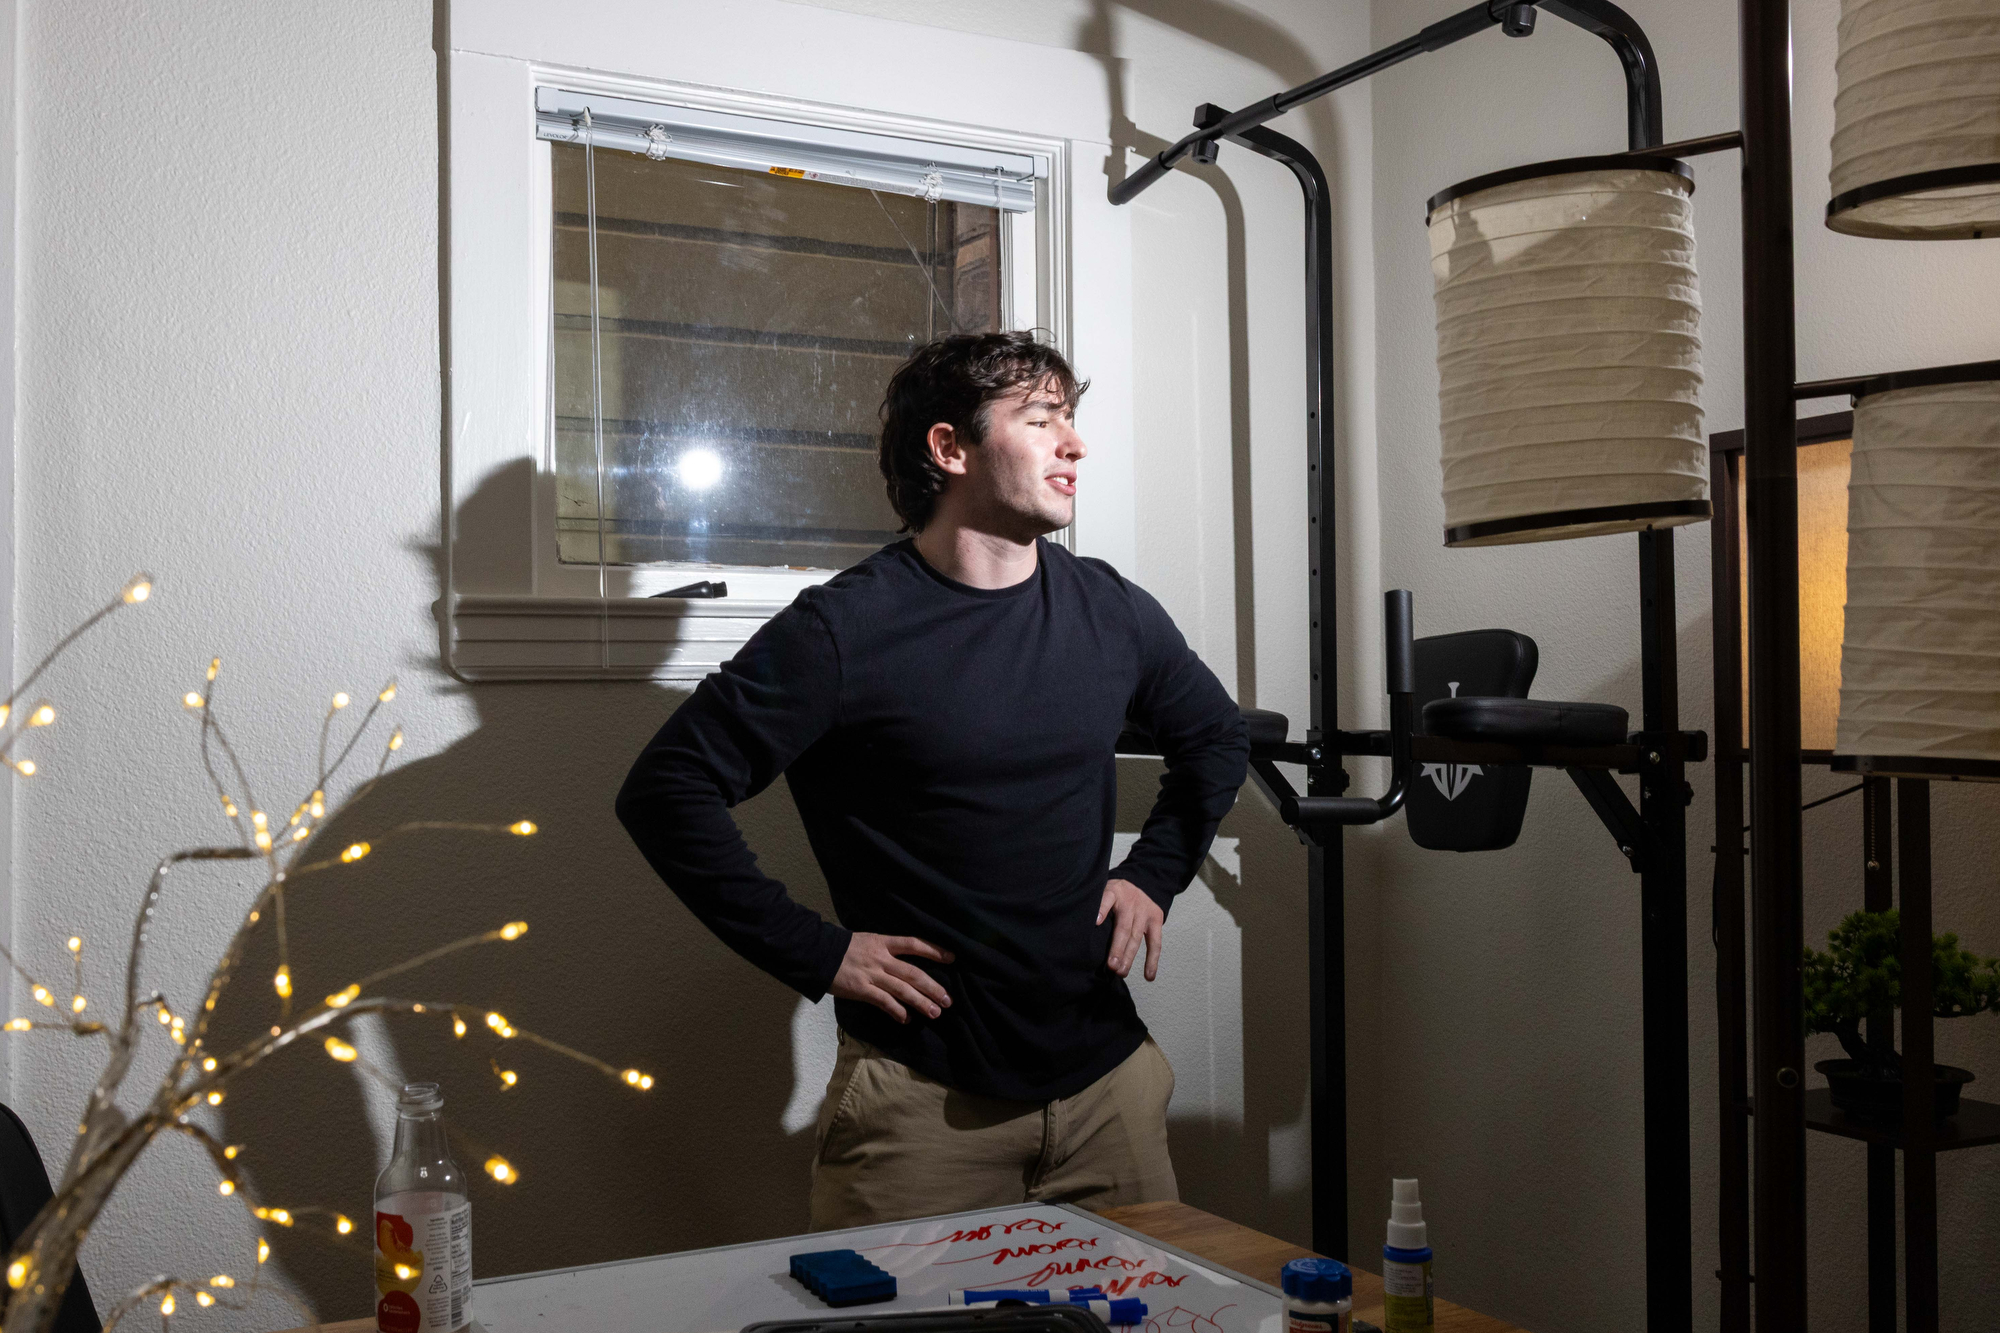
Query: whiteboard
x=1053, y=1246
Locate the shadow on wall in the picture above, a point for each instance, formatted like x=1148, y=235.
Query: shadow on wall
x=1554, y=1070
x=615, y=966
x=1256, y=1172
x=612, y=965
x=1252, y=1166
x=1228, y=28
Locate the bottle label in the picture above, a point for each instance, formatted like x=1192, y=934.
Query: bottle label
x=1408, y=1304
x=1299, y=1322
x=423, y=1270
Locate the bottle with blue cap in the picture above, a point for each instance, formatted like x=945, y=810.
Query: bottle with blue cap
x=1319, y=1296
x=1408, y=1302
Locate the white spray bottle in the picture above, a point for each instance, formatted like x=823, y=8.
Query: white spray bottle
x=1408, y=1305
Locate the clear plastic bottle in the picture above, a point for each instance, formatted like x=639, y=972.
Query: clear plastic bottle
x=423, y=1225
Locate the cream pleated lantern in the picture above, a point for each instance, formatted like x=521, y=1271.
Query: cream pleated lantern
x=1569, y=353
x=1920, y=653
x=1916, y=122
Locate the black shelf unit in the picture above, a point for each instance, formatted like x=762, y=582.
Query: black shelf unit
x=1896, y=831
x=1977, y=1124
x=1762, y=1046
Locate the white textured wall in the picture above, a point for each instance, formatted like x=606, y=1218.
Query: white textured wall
x=1219, y=364
x=229, y=376
x=1513, y=1089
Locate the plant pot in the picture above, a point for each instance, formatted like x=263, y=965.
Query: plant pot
x=1866, y=1094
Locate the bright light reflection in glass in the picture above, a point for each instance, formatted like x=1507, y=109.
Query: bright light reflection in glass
x=699, y=469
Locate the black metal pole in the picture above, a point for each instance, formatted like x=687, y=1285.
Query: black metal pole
x=1731, y=1044
x=1327, y=984
x=1643, y=123
x=1878, y=895
x=1326, y=882
x=1232, y=123
x=1920, y=1255
x=1771, y=492
x=1663, y=951
x=1663, y=807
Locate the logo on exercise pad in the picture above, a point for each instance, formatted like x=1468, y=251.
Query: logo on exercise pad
x=1451, y=779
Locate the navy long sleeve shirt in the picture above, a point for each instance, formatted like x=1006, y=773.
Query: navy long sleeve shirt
x=950, y=752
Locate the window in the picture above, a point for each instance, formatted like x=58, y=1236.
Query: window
x=716, y=382
x=993, y=173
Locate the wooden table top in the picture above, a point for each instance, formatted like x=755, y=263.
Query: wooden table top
x=1222, y=1243
x=1256, y=1255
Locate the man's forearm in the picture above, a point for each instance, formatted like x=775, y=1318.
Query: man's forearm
x=1197, y=790
x=682, y=825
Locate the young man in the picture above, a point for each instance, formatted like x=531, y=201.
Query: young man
x=945, y=714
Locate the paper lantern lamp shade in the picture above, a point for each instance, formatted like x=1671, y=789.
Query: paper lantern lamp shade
x=1916, y=120
x=1920, y=653
x=1569, y=352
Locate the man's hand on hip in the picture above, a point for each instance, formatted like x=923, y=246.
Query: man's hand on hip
x=1137, y=917
x=872, y=973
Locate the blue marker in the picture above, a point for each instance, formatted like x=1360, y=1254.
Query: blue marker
x=1126, y=1311
x=1123, y=1311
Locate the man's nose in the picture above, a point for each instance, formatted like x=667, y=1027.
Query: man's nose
x=1071, y=445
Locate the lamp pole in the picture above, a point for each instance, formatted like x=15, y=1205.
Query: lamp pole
x=1770, y=466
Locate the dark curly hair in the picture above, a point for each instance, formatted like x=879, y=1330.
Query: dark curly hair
x=951, y=380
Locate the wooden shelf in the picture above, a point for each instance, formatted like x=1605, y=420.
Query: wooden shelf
x=1976, y=1124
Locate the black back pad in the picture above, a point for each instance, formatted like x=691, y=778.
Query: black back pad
x=1470, y=807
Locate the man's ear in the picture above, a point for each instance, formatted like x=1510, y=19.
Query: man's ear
x=947, y=450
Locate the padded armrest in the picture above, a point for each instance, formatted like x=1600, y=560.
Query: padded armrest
x=1265, y=728
x=1526, y=721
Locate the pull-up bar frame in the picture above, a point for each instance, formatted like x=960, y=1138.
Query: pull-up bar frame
x=1654, y=839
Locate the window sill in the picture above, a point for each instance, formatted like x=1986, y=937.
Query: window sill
x=514, y=637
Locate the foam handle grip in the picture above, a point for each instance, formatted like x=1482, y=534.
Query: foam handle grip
x=1398, y=640
x=1339, y=809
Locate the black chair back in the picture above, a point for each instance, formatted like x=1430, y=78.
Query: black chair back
x=24, y=1188
x=1470, y=807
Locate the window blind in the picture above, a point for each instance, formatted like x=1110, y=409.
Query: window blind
x=786, y=148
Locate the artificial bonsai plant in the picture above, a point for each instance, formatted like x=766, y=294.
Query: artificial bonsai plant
x=1861, y=974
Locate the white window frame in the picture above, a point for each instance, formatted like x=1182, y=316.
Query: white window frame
x=513, y=610
x=1030, y=301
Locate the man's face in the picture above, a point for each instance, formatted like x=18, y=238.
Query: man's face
x=1022, y=475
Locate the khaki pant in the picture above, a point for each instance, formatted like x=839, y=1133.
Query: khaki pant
x=894, y=1144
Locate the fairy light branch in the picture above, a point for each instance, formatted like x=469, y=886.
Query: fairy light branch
x=170, y=1289
x=136, y=590
x=110, y=1139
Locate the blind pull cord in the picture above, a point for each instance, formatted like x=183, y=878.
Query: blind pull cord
x=596, y=384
